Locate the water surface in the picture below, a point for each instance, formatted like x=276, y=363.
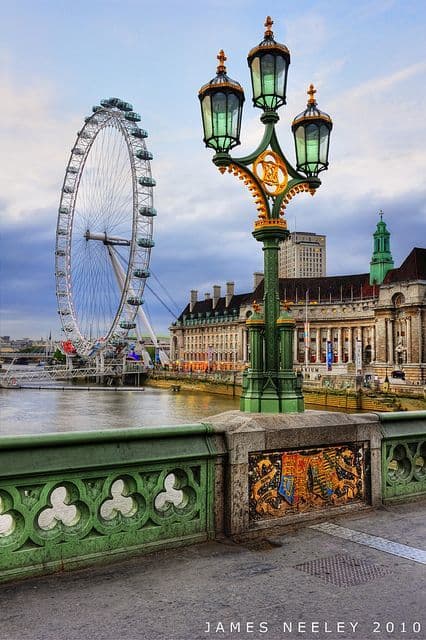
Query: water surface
x=51, y=410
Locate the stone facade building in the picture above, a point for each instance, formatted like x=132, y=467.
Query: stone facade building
x=366, y=323
x=302, y=255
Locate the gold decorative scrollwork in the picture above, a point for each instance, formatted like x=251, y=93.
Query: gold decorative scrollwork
x=270, y=169
x=298, y=188
x=259, y=198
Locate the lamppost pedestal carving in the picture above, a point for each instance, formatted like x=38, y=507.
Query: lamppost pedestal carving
x=270, y=384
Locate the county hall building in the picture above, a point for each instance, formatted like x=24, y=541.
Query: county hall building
x=370, y=323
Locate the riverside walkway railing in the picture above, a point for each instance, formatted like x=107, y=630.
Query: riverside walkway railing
x=13, y=378
x=75, y=499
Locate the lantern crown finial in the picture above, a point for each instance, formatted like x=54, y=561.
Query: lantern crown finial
x=381, y=215
x=268, y=63
x=221, y=66
x=311, y=93
x=268, y=24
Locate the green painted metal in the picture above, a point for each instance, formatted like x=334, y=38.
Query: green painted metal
x=415, y=418
x=403, y=454
x=275, y=389
x=253, y=379
x=71, y=500
x=290, y=383
x=273, y=181
x=381, y=260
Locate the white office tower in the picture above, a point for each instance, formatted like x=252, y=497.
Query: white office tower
x=302, y=255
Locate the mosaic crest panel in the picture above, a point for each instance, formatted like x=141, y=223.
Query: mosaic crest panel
x=282, y=483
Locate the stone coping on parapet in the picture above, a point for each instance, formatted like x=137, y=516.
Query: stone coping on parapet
x=234, y=420
x=248, y=432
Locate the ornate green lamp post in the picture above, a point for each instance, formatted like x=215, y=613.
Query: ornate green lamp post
x=270, y=384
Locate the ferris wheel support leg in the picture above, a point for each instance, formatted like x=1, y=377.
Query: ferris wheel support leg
x=69, y=362
x=120, y=276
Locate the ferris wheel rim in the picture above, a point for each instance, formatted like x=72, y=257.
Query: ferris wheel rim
x=139, y=253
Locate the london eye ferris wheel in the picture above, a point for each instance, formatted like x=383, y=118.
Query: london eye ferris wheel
x=104, y=229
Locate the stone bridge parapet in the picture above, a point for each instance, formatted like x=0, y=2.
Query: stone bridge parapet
x=75, y=499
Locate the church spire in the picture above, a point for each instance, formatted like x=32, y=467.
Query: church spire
x=381, y=260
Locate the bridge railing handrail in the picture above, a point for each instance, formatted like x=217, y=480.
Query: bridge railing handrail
x=60, y=372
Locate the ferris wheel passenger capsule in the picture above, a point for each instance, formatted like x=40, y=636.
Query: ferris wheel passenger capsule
x=125, y=324
x=110, y=102
x=144, y=154
x=134, y=301
x=132, y=116
x=139, y=133
x=145, y=242
x=141, y=273
x=124, y=106
x=147, y=181
x=149, y=212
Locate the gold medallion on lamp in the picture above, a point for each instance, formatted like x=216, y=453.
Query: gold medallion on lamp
x=271, y=171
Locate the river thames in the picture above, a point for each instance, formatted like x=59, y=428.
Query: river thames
x=51, y=410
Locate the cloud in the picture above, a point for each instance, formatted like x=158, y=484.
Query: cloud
x=36, y=141
x=307, y=33
x=378, y=85
x=27, y=283
x=204, y=223
x=375, y=141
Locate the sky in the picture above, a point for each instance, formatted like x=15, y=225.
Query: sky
x=57, y=59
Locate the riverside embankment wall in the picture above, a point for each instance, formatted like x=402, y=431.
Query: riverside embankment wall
x=347, y=399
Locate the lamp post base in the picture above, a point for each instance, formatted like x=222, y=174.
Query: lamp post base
x=272, y=392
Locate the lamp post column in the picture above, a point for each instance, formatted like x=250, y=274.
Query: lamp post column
x=271, y=303
x=290, y=383
x=253, y=378
x=270, y=237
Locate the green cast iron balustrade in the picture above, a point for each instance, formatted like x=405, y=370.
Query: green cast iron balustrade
x=403, y=454
x=403, y=467
x=61, y=506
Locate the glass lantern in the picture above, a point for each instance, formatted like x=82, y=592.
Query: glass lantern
x=269, y=63
x=221, y=109
x=311, y=130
